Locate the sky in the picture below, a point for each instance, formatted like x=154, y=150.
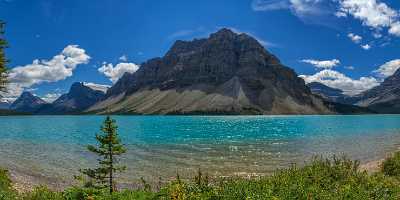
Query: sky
x=347, y=44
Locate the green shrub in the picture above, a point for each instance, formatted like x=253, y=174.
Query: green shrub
x=77, y=193
x=336, y=178
x=41, y=193
x=6, y=190
x=391, y=165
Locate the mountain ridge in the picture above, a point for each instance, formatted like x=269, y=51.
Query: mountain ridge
x=27, y=102
x=225, y=73
x=79, y=98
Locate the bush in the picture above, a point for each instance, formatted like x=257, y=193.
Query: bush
x=41, y=193
x=336, y=178
x=391, y=165
x=6, y=190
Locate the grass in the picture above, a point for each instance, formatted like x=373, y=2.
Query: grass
x=336, y=178
x=391, y=166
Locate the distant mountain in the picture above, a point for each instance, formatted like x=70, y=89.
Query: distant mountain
x=331, y=94
x=4, y=104
x=79, y=98
x=227, y=73
x=384, y=98
x=28, y=103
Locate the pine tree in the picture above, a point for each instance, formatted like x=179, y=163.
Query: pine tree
x=3, y=60
x=109, y=149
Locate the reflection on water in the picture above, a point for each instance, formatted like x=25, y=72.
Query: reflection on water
x=53, y=147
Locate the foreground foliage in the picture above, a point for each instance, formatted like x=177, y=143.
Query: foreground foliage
x=3, y=59
x=391, y=166
x=336, y=178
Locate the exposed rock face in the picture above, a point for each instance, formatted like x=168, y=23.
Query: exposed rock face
x=326, y=92
x=28, y=103
x=227, y=73
x=384, y=98
x=79, y=98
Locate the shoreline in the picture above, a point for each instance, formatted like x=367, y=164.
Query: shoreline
x=24, y=182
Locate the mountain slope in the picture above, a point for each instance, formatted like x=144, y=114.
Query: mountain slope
x=79, y=98
x=27, y=103
x=4, y=104
x=227, y=73
x=331, y=94
x=384, y=98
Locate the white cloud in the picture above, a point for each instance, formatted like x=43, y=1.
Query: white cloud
x=355, y=38
x=338, y=80
x=340, y=14
x=366, y=47
x=58, y=68
x=309, y=11
x=114, y=73
x=123, y=58
x=372, y=13
x=395, y=29
x=51, y=97
x=388, y=68
x=99, y=87
x=298, y=7
x=349, y=67
x=377, y=35
x=325, y=64
x=262, y=5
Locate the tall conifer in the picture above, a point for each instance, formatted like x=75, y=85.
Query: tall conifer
x=108, y=149
x=3, y=59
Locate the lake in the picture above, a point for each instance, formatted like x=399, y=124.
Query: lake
x=53, y=148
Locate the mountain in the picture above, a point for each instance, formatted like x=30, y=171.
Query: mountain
x=326, y=92
x=227, y=73
x=27, y=103
x=79, y=98
x=384, y=98
x=4, y=104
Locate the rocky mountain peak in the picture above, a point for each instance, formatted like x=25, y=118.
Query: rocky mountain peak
x=226, y=72
x=223, y=34
x=27, y=102
x=384, y=98
x=76, y=100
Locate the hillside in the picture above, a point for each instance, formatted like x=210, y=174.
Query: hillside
x=226, y=73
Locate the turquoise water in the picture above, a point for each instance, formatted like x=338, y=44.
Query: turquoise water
x=53, y=147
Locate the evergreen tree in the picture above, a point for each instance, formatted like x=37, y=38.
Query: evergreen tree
x=109, y=149
x=3, y=60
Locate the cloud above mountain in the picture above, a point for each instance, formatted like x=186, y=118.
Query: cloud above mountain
x=350, y=86
x=388, y=69
x=338, y=80
x=324, y=64
x=58, y=68
x=372, y=13
x=116, y=72
x=309, y=11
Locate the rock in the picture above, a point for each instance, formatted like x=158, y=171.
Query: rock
x=384, y=98
x=227, y=73
x=27, y=103
x=79, y=98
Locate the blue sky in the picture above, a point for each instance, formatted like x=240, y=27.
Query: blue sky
x=347, y=44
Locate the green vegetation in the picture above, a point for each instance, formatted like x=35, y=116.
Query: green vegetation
x=3, y=59
x=391, y=166
x=109, y=148
x=337, y=178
